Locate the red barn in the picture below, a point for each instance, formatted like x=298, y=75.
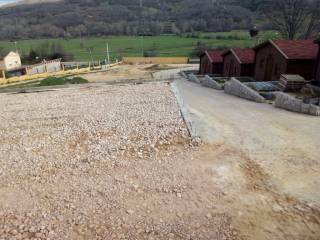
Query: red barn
x=317, y=77
x=211, y=62
x=238, y=62
x=276, y=57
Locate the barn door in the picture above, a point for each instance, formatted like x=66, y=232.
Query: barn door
x=269, y=68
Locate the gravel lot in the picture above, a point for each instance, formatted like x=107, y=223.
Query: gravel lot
x=111, y=162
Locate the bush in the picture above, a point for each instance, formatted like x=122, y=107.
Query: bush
x=77, y=80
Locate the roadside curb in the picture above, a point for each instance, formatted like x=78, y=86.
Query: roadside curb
x=184, y=112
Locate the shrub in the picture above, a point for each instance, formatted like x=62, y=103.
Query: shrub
x=77, y=80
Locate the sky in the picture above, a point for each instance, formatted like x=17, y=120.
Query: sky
x=6, y=1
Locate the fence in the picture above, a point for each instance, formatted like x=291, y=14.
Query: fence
x=155, y=60
x=77, y=70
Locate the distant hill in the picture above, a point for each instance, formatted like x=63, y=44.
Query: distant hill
x=74, y=18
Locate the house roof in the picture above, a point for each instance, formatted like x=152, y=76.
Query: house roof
x=215, y=56
x=243, y=55
x=294, y=49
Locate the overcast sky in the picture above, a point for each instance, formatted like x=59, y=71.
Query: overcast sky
x=6, y=1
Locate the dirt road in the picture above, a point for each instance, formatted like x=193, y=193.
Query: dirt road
x=143, y=71
x=266, y=160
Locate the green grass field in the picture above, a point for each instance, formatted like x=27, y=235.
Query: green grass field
x=167, y=46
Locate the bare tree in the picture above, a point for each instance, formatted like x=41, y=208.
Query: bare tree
x=294, y=18
x=313, y=23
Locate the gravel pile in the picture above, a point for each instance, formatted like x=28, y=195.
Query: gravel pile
x=108, y=162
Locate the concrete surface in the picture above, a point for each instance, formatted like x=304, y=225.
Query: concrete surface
x=272, y=136
x=236, y=88
x=210, y=83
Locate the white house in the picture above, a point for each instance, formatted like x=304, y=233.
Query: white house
x=11, y=62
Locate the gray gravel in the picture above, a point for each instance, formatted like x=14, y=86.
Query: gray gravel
x=112, y=162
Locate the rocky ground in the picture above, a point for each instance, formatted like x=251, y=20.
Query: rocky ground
x=111, y=162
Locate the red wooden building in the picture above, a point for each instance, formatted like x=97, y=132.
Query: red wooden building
x=238, y=62
x=211, y=62
x=317, y=72
x=276, y=57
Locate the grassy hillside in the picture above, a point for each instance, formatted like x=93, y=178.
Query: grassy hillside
x=132, y=46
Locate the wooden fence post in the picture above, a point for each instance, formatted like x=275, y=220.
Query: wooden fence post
x=4, y=75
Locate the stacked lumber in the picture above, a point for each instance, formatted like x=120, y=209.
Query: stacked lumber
x=292, y=82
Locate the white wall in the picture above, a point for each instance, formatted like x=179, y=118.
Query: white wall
x=12, y=61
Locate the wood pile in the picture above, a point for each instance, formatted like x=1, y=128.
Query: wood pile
x=292, y=82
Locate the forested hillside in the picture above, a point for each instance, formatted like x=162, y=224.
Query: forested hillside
x=75, y=18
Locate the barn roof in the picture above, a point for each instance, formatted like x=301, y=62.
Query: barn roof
x=294, y=49
x=215, y=56
x=243, y=55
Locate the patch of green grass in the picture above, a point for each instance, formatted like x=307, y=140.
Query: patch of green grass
x=53, y=81
x=166, y=46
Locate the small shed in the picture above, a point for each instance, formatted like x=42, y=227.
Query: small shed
x=211, y=62
x=46, y=66
x=238, y=62
x=276, y=57
x=317, y=72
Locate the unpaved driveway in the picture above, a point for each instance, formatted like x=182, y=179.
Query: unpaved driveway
x=141, y=71
x=266, y=160
x=105, y=163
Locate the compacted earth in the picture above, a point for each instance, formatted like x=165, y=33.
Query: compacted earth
x=107, y=162
x=117, y=162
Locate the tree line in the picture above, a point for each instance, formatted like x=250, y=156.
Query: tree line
x=83, y=18
x=87, y=18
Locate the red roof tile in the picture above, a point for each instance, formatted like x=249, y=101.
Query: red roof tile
x=294, y=49
x=298, y=49
x=244, y=55
x=215, y=56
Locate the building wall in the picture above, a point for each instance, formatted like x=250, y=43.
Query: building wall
x=217, y=68
x=54, y=66
x=205, y=65
x=12, y=61
x=304, y=68
x=50, y=66
x=247, y=70
x=269, y=64
x=37, y=69
x=318, y=68
x=231, y=67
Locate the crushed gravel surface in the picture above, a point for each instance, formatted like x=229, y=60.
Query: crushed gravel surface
x=109, y=162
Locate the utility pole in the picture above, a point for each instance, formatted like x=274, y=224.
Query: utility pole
x=90, y=51
x=141, y=28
